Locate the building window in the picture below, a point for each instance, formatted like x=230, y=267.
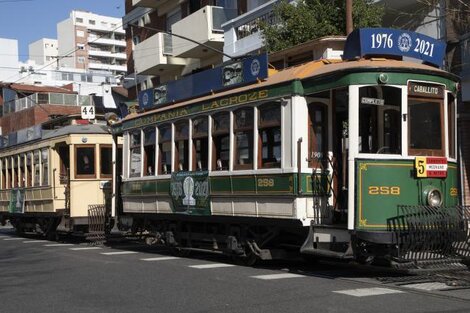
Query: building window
x=45, y=167
x=81, y=60
x=164, y=146
x=200, y=144
x=243, y=135
x=80, y=33
x=317, y=134
x=221, y=141
x=106, y=161
x=85, y=161
x=135, y=154
x=37, y=168
x=79, y=20
x=182, y=145
x=149, y=151
x=172, y=18
x=269, y=126
x=91, y=22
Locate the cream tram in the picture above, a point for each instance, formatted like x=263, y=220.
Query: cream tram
x=49, y=179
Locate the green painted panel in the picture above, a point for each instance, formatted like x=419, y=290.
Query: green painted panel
x=220, y=185
x=163, y=187
x=382, y=185
x=243, y=184
x=275, y=184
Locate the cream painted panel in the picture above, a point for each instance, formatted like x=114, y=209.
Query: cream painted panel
x=84, y=193
x=276, y=207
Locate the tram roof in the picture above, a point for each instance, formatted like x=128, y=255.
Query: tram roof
x=76, y=129
x=310, y=70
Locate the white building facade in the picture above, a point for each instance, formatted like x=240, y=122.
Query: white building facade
x=43, y=51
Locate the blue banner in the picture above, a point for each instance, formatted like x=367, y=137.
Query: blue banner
x=395, y=42
x=229, y=75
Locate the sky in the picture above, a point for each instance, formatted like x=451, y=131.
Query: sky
x=30, y=20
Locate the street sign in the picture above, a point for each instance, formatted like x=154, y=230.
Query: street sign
x=88, y=112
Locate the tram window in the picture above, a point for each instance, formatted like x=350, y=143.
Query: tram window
x=37, y=167
x=14, y=163
x=106, y=161
x=269, y=126
x=85, y=161
x=45, y=167
x=164, y=146
x=317, y=133
x=200, y=144
x=243, y=131
x=182, y=146
x=380, y=120
x=149, y=151
x=9, y=173
x=221, y=141
x=135, y=154
x=425, y=127
x=29, y=170
x=451, y=124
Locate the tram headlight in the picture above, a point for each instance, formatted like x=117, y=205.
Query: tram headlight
x=434, y=197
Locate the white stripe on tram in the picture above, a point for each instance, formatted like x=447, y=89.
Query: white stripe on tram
x=59, y=245
x=11, y=239
x=34, y=241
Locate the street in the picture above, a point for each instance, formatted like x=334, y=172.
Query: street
x=44, y=276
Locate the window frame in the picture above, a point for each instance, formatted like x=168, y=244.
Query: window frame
x=100, y=147
x=160, y=149
x=248, y=131
x=184, y=139
x=269, y=126
x=145, y=144
x=217, y=135
x=203, y=137
x=85, y=176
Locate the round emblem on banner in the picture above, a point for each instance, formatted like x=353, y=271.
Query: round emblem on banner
x=145, y=99
x=255, y=67
x=404, y=42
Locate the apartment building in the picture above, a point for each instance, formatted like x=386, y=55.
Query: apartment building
x=92, y=42
x=44, y=51
x=9, y=62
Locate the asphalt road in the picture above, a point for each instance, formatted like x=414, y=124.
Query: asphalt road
x=42, y=276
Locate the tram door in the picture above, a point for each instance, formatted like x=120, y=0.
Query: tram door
x=64, y=174
x=340, y=147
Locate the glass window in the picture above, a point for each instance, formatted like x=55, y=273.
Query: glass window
x=29, y=169
x=269, y=126
x=135, y=154
x=451, y=124
x=243, y=131
x=45, y=167
x=380, y=120
x=37, y=167
x=221, y=141
x=106, y=161
x=14, y=163
x=85, y=161
x=425, y=127
x=200, y=144
x=9, y=172
x=182, y=144
x=22, y=171
x=164, y=146
x=317, y=134
x=4, y=173
x=149, y=151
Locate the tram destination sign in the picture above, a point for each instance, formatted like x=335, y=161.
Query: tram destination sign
x=431, y=167
x=425, y=90
x=384, y=41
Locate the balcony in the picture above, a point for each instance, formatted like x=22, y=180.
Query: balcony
x=45, y=99
x=147, y=3
x=242, y=34
x=107, y=67
x=203, y=26
x=106, y=41
x=154, y=56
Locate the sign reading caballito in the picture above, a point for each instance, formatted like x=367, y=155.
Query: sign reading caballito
x=190, y=192
x=425, y=90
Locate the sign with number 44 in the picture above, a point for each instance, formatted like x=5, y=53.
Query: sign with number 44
x=88, y=112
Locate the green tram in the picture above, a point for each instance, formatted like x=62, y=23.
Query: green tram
x=353, y=159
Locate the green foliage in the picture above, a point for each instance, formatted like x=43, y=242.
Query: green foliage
x=305, y=20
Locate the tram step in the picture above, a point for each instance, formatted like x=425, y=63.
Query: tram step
x=329, y=242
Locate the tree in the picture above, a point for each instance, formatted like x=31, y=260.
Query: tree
x=304, y=20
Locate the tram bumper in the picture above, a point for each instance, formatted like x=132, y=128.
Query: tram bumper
x=430, y=234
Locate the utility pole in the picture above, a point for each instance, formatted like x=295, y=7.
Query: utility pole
x=349, y=18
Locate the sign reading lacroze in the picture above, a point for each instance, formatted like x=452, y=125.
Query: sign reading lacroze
x=385, y=41
x=431, y=167
x=190, y=192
